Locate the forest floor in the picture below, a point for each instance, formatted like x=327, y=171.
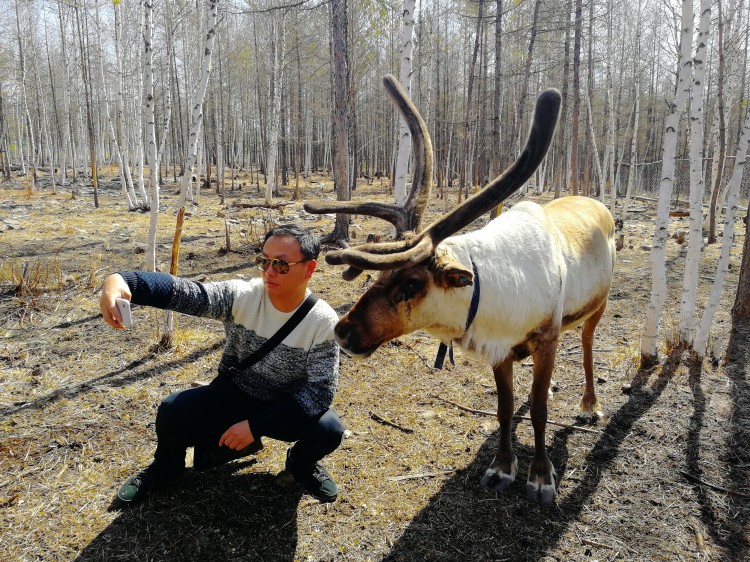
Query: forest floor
x=665, y=475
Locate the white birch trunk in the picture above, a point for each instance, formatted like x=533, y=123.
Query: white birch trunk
x=308, y=141
x=120, y=111
x=594, y=150
x=609, y=149
x=633, y=163
x=277, y=78
x=404, y=76
x=24, y=101
x=148, y=70
x=199, y=96
x=727, y=238
x=138, y=141
x=649, y=353
x=695, y=237
x=115, y=138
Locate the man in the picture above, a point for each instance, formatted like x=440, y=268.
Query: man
x=285, y=395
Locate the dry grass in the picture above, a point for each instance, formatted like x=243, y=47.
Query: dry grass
x=665, y=478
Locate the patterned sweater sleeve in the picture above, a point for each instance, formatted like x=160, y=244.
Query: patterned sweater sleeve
x=161, y=290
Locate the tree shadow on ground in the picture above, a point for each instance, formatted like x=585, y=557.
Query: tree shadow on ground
x=209, y=516
x=119, y=377
x=464, y=521
x=728, y=518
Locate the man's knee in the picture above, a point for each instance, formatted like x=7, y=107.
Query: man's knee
x=331, y=428
x=169, y=410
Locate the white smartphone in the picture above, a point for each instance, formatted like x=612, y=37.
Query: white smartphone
x=123, y=305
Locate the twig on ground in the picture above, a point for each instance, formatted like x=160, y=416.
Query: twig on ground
x=420, y=475
x=384, y=421
x=712, y=486
x=486, y=413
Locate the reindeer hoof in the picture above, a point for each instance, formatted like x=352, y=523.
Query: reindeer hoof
x=543, y=495
x=540, y=492
x=496, y=479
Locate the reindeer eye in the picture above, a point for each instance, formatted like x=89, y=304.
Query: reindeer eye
x=408, y=290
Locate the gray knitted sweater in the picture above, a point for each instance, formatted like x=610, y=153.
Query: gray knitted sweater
x=301, y=372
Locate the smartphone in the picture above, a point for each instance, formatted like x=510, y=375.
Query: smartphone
x=123, y=305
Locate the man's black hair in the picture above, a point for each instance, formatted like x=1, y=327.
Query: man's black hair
x=309, y=243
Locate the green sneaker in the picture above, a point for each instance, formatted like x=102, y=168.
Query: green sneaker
x=314, y=478
x=140, y=485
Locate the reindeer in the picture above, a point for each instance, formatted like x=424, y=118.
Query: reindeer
x=541, y=269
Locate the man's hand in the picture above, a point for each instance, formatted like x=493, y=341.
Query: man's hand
x=114, y=287
x=238, y=436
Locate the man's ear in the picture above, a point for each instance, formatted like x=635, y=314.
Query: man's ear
x=450, y=273
x=311, y=265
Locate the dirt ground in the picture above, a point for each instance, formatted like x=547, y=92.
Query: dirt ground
x=664, y=476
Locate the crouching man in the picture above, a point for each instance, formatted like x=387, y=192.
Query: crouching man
x=285, y=395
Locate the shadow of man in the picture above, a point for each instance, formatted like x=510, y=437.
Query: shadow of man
x=207, y=516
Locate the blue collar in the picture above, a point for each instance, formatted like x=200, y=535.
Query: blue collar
x=473, y=307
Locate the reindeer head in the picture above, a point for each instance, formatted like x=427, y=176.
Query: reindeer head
x=411, y=293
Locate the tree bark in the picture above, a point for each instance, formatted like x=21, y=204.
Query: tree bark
x=649, y=352
x=404, y=76
x=727, y=239
x=340, y=116
x=695, y=237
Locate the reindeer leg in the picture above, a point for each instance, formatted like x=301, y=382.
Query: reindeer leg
x=540, y=487
x=502, y=472
x=589, y=402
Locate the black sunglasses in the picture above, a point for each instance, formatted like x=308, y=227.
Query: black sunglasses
x=279, y=266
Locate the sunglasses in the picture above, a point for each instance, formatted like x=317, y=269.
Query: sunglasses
x=279, y=266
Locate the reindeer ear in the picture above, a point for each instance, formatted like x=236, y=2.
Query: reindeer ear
x=450, y=273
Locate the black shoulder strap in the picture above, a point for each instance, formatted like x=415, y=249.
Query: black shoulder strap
x=280, y=334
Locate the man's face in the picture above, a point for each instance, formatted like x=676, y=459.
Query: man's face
x=286, y=284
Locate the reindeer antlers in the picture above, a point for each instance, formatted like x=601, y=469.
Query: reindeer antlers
x=408, y=217
x=402, y=254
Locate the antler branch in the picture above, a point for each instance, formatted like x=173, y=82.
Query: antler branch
x=408, y=217
x=396, y=255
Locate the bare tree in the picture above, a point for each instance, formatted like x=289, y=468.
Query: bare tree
x=695, y=236
x=727, y=239
x=340, y=116
x=404, y=76
x=150, y=132
x=278, y=41
x=649, y=353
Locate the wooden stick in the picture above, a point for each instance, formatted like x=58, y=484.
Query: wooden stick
x=384, y=421
x=713, y=486
x=420, y=475
x=486, y=413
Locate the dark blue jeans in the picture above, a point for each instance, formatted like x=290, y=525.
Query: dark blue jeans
x=200, y=416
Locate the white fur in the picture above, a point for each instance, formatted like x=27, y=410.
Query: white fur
x=527, y=276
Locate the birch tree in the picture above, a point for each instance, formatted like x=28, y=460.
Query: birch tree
x=24, y=100
x=88, y=96
x=404, y=76
x=196, y=122
x=150, y=132
x=116, y=139
x=727, y=239
x=695, y=236
x=623, y=215
x=649, y=352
